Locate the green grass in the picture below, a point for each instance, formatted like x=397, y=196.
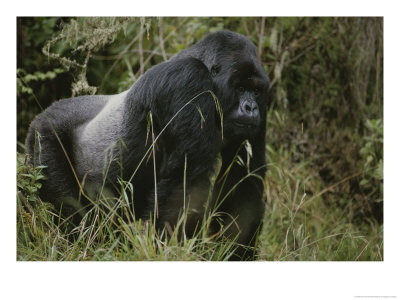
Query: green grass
x=299, y=224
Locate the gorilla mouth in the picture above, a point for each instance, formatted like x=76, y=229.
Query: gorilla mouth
x=245, y=125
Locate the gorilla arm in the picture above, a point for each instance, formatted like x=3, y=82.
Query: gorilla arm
x=238, y=194
x=184, y=119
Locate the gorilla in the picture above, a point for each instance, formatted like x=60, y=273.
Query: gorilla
x=203, y=108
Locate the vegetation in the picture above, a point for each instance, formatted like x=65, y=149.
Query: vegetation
x=324, y=187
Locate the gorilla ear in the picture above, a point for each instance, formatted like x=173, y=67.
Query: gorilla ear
x=215, y=70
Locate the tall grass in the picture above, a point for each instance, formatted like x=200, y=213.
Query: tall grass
x=297, y=225
x=107, y=235
x=302, y=222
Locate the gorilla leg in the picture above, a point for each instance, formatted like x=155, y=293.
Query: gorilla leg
x=49, y=142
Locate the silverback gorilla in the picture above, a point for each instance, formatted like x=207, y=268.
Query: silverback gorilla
x=165, y=135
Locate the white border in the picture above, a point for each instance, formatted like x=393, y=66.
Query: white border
x=281, y=280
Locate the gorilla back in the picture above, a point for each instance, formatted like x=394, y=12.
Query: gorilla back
x=164, y=135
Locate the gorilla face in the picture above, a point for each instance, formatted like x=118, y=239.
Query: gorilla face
x=244, y=108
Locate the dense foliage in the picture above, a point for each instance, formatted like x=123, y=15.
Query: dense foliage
x=324, y=188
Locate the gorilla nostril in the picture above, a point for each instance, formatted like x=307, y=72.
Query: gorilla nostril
x=248, y=108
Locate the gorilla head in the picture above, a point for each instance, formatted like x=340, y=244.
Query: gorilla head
x=240, y=82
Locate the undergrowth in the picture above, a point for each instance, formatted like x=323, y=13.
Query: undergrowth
x=298, y=225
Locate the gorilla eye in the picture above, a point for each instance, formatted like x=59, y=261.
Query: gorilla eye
x=256, y=92
x=214, y=70
x=241, y=89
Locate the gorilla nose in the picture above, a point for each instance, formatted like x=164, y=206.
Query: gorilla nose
x=249, y=109
x=248, y=114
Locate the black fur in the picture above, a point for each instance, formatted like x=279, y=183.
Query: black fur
x=174, y=100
